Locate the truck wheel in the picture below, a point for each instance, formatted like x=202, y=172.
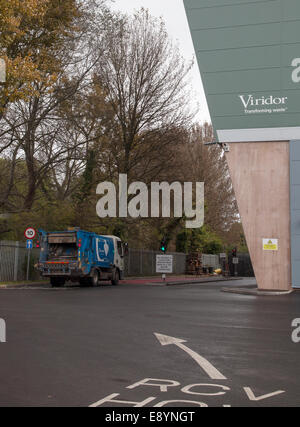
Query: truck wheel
x=94, y=278
x=116, y=279
x=57, y=282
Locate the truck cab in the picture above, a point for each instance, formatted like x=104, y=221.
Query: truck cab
x=81, y=256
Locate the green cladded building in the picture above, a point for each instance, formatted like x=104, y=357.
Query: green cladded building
x=248, y=53
x=249, y=58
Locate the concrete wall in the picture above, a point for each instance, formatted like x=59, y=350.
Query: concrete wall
x=260, y=176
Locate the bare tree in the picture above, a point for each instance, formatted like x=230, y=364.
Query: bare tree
x=144, y=79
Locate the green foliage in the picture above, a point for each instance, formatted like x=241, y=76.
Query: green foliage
x=199, y=240
x=86, y=181
x=183, y=241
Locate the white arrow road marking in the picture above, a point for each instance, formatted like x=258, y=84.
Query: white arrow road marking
x=211, y=371
x=254, y=398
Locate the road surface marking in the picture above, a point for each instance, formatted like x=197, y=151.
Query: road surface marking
x=111, y=399
x=168, y=402
x=187, y=389
x=162, y=384
x=211, y=371
x=254, y=398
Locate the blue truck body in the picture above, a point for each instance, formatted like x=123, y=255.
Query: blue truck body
x=82, y=256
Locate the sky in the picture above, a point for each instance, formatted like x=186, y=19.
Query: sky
x=173, y=13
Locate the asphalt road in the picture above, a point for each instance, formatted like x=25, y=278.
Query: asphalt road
x=79, y=347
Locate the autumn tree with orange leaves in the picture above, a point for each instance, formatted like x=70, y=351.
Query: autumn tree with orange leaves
x=31, y=34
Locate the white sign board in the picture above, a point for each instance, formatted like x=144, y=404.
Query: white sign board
x=164, y=263
x=223, y=256
x=235, y=261
x=270, y=244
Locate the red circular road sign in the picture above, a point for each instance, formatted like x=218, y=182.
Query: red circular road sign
x=30, y=233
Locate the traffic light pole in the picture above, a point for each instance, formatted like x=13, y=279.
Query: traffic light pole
x=163, y=245
x=235, y=261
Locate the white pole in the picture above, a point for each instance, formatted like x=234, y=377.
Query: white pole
x=28, y=264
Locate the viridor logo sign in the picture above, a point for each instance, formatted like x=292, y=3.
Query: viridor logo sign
x=270, y=104
x=2, y=71
x=264, y=104
x=102, y=248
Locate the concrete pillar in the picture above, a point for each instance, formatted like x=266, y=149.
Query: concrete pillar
x=260, y=174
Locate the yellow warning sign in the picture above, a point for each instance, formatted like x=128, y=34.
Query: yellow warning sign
x=270, y=244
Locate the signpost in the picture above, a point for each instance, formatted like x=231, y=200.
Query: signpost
x=164, y=265
x=249, y=58
x=29, y=234
x=235, y=262
x=29, y=245
x=223, y=257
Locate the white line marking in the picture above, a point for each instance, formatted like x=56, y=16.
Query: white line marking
x=111, y=398
x=211, y=371
x=254, y=398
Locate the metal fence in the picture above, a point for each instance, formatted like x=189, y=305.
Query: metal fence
x=244, y=267
x=143, y=263
x=13, y=262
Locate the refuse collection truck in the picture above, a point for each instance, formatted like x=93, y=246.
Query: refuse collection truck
x=80, y=256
